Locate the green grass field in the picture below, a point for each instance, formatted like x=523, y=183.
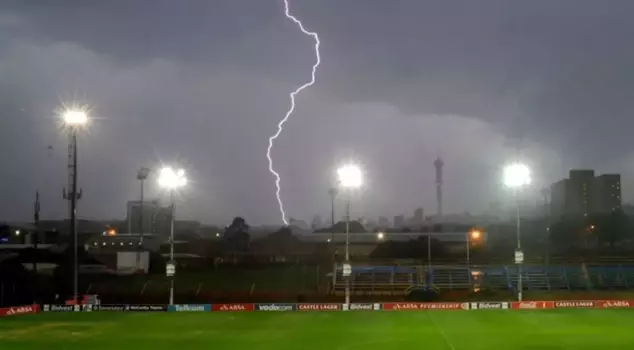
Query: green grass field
x=452, y=330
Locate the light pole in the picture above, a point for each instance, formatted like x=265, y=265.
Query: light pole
x=172, y=180
x=36, y=224
x=516, y=176
x=350, y=178
x=333, y=193
x=142, y=175
x=73, y=119
x=472, y=235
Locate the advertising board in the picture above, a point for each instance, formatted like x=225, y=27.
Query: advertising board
x=363, y=307
x=275, y=307
x=19, y=310
x=232, y=307
x=189, y=308
x=425, y=306
x=532, y=305
x=575, y=304
x=60, y=308
x=319, y=307
x=614, y=304
x=489, y=305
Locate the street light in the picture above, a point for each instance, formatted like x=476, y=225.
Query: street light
x=172, y=180
x=350, y=178
x=73, y=120
x=516, y=176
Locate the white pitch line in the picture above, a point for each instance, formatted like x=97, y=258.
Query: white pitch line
x=440, y=330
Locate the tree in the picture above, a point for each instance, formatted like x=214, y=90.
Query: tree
x=237, y=235
x=566, y=232
x=610, y=228
x=282, y=241
x=238, y=224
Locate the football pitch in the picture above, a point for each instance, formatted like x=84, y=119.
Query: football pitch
x=452, y=330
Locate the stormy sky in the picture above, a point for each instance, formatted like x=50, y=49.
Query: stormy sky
x=204, y=82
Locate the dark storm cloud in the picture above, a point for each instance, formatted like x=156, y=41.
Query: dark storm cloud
x=401, y=83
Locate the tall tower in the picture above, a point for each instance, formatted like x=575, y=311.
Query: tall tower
x=438, y=164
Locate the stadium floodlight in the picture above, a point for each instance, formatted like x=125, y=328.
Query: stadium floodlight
x=516, y=176
x=75, y=117
x=350, y=177
x=171, y=180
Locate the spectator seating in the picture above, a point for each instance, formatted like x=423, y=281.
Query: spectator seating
x=448, y=277
x=378, y=280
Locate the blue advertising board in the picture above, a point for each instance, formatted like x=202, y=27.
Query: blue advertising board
x=189, y=308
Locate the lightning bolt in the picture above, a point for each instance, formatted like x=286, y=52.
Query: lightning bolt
x=280, y=125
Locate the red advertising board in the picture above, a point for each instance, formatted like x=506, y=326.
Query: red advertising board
x=319, y=307
x=575, y=304
x=232, y=307
x=532, y=305
x=614, y=304
x=425, y=306
x=19, y=310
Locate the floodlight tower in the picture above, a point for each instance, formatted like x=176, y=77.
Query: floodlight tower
x=73, y=120
x=517, y=176
x=350, y=179
x=172, y=180
x=438, y=164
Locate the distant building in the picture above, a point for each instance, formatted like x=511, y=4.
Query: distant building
x=559, y=198
x=608, y=192
x=399, y=221
x=141, y=216
x=316, y=223
x=161, y=222
x=300, y=224
x=583, y=194
x=383, y=222
x=418, y=218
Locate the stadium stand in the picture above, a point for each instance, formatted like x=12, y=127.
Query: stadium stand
x=556, y=276
x=378, y=280
x=496, y=277
x=449, y=277
x=606, y=277
x=628, y=276
x=576, y=277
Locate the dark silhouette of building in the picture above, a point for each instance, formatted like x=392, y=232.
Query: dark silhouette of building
x=584, y=194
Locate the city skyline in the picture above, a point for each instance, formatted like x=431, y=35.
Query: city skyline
x=462, y=84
